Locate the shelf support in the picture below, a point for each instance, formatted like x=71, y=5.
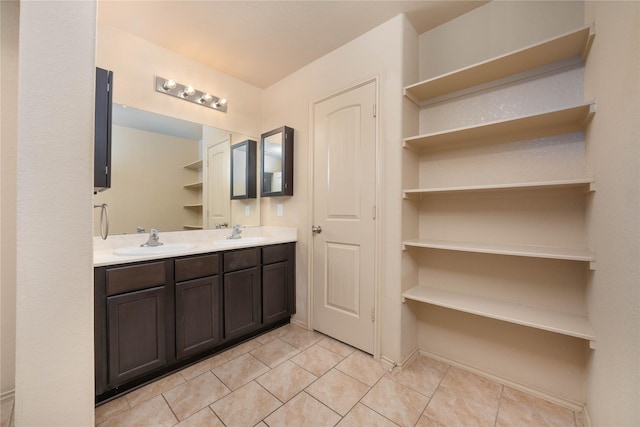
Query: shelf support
x=592, y=344
x=592, y=265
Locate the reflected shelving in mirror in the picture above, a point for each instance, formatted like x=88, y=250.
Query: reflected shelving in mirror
x=277, y=163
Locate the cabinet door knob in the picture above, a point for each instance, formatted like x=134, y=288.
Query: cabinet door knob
x=316, y=229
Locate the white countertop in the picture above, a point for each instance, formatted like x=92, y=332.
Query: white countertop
x=203, y=241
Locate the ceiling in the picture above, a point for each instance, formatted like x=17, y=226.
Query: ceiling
x=261, y=42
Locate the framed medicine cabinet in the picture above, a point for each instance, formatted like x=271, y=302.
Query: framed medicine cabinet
x=243, y=170
x=277, y=163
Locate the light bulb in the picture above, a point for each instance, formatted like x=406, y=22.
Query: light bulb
x=168, y=85
x=206, y=98
x=222, y=101
x=189, y=91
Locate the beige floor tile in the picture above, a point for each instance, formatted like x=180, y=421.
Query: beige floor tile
x=361, y=415
x=303, y=410
x=6, y=412
x=472, y=386
x=204, y=417
x=190, y=397
x=203, y=366
x=301, y=338
x=261, y=424
x=450, y=408
x=433, y=363
x=362, y=367
x=240, y=371
x=149, y=391
x=338, y=391
x=428, y=422
x=419, y=376
x=336, y=346
x=396, y=402
x=274, y=352
x=154, y=412
x=518, y=409
x=246, y=406
x=286, y=380
x=241, y=349
x=273, y=334
x=109, y=409
x=317, y=360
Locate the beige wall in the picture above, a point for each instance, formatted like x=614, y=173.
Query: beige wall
x=612, y=77
x=375, y=54
x=9, y=17
x=135, y=62
x=147, y=182
x=54, y=308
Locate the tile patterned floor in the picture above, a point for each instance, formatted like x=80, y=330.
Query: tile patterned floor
x=294, y=377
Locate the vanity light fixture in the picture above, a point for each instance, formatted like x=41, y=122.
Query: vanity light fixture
x=188, y=93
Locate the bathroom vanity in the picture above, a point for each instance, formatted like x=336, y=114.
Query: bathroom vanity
x=156, y=314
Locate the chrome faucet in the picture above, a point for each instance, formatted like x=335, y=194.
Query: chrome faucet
x=235, y=234
x=154, y=239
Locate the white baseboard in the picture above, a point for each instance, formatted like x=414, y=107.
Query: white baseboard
x=299, y=323
x=574, y=406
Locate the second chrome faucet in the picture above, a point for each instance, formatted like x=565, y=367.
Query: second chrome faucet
x=235, y=233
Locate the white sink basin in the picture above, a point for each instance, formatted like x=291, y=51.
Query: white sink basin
x=240, y=241
x=153, y=250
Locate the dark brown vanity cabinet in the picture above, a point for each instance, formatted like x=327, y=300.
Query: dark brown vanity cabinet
x=154, y=317
x=133, y=321
x=198, y=304
x=242, y=309
x=278, y=288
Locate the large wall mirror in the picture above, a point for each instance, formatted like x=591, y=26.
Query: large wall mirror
x=277, y=163
x=171, y=175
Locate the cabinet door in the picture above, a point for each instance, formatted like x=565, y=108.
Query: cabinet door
x=198, y=315
x=275, y=292
x=136, y=334
x=241, y=302
x=102, y=130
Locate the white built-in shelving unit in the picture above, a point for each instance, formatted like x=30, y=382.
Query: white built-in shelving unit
x=570, y=49
x=196, y=187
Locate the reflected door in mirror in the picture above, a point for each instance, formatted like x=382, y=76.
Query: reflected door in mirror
x=277, y=163
x=243, y=170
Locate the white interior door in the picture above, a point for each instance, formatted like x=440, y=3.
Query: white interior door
x=217, y=186
x=344, y=209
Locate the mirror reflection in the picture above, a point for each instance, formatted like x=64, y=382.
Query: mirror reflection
x=272, y=179
x=171, y=175
x=243, y=170
x=277, y=163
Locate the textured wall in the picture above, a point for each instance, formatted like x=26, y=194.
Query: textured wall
x=54, y=309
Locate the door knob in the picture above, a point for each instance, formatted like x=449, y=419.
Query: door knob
x=316, y=229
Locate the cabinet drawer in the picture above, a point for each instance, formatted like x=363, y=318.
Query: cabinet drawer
x=277, y=253
x=241, y=259
x=133, y=278
x=196, y=267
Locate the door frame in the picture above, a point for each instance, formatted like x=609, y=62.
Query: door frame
x=379, y=220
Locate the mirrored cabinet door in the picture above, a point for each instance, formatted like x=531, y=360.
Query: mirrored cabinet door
x=277, y=163
x=243, y=170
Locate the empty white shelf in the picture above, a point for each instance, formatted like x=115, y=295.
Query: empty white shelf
x=197, y=165
x=573, y=44
x=504, y=249
x=580, y=184
x=194, y=185
x=196, y=205
x=548, y=123
x=548, y=320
